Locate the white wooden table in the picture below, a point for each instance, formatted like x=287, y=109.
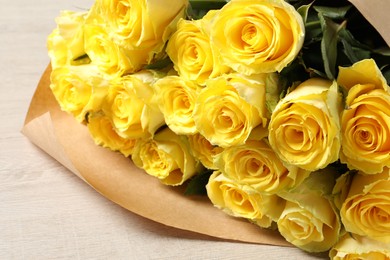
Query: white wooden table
x=46, y=212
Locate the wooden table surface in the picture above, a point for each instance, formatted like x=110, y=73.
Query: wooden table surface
x=46, y=212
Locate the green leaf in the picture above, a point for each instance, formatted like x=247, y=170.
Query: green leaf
x=198, y=8
x=273, y=90
x=313, y=31
x=290, y=76
x=333, y=12
x=344, y=93
x=354, y=54
x=353, y=49
x=159, y=64
x=83, y=59
x=303, y=10
x=207, y=4
x=382, y=51
x=329, y=44
x=386, y=74
x=348, y=36
x=197, y=185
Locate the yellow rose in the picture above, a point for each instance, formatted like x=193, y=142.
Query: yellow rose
x=309, y=220
x=66, y=43
x=78, y=89
x=141, y=25
x=167, y=157
x=356, y=247
x=57, y=50
x=365, y=121
x=193, y=56
x=176, y=98
x=108, y=56
x=103, y=133
x=304, y=129
x=203, y=150
x=365, y=211
x=237, y=201
x=131, y=106
x=229, y=107
x=256, y=165
x=257, y=36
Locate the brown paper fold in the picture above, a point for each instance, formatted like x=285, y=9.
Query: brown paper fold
x=116, y=177
x=376, y=12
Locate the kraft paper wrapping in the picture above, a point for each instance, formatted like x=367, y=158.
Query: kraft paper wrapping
x=376, y=12
x=118, y=179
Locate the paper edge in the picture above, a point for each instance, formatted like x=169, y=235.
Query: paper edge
x=370, y=12
x=46, y=139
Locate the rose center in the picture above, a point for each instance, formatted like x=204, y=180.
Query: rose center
x=365, y=139
x=381, y=215
x=182, y=102
x=256, y=35
x=295, y=136
x=122, y=10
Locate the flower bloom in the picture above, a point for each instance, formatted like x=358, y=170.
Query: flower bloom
x=358, y=247
x=167, y=157
x=257, y=36
x=193, y=56
x=229, y=107
x=130, y=105
x=66, y=43
x=109, y=57
x=365, y=121
x=236, y=201
x=176, y=98
x=203, y=150
x=309, y=220
x=365, y=211
x=103, y=133
x=78, y=89
x=304, y=129
x=141, y=25
x=255, y=164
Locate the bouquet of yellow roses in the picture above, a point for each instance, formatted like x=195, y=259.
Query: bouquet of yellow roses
x=277, y=110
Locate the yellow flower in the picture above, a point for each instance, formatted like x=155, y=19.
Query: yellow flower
x=257, y=36
x=229, y=107
x=78, y=89
x=366, y=210
x=103, y=133
x=143, y=24
x=66, y=43
x=352, y=246
x=256, y=165
x=193, y=56
x=130, y=105
x=304, y=129
x=237, y=201
x=57, y=50
x=176, y=98
x=108, y=56
x=167, y=157
x=203, y=150
x=365, y=121
x=309, y=220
